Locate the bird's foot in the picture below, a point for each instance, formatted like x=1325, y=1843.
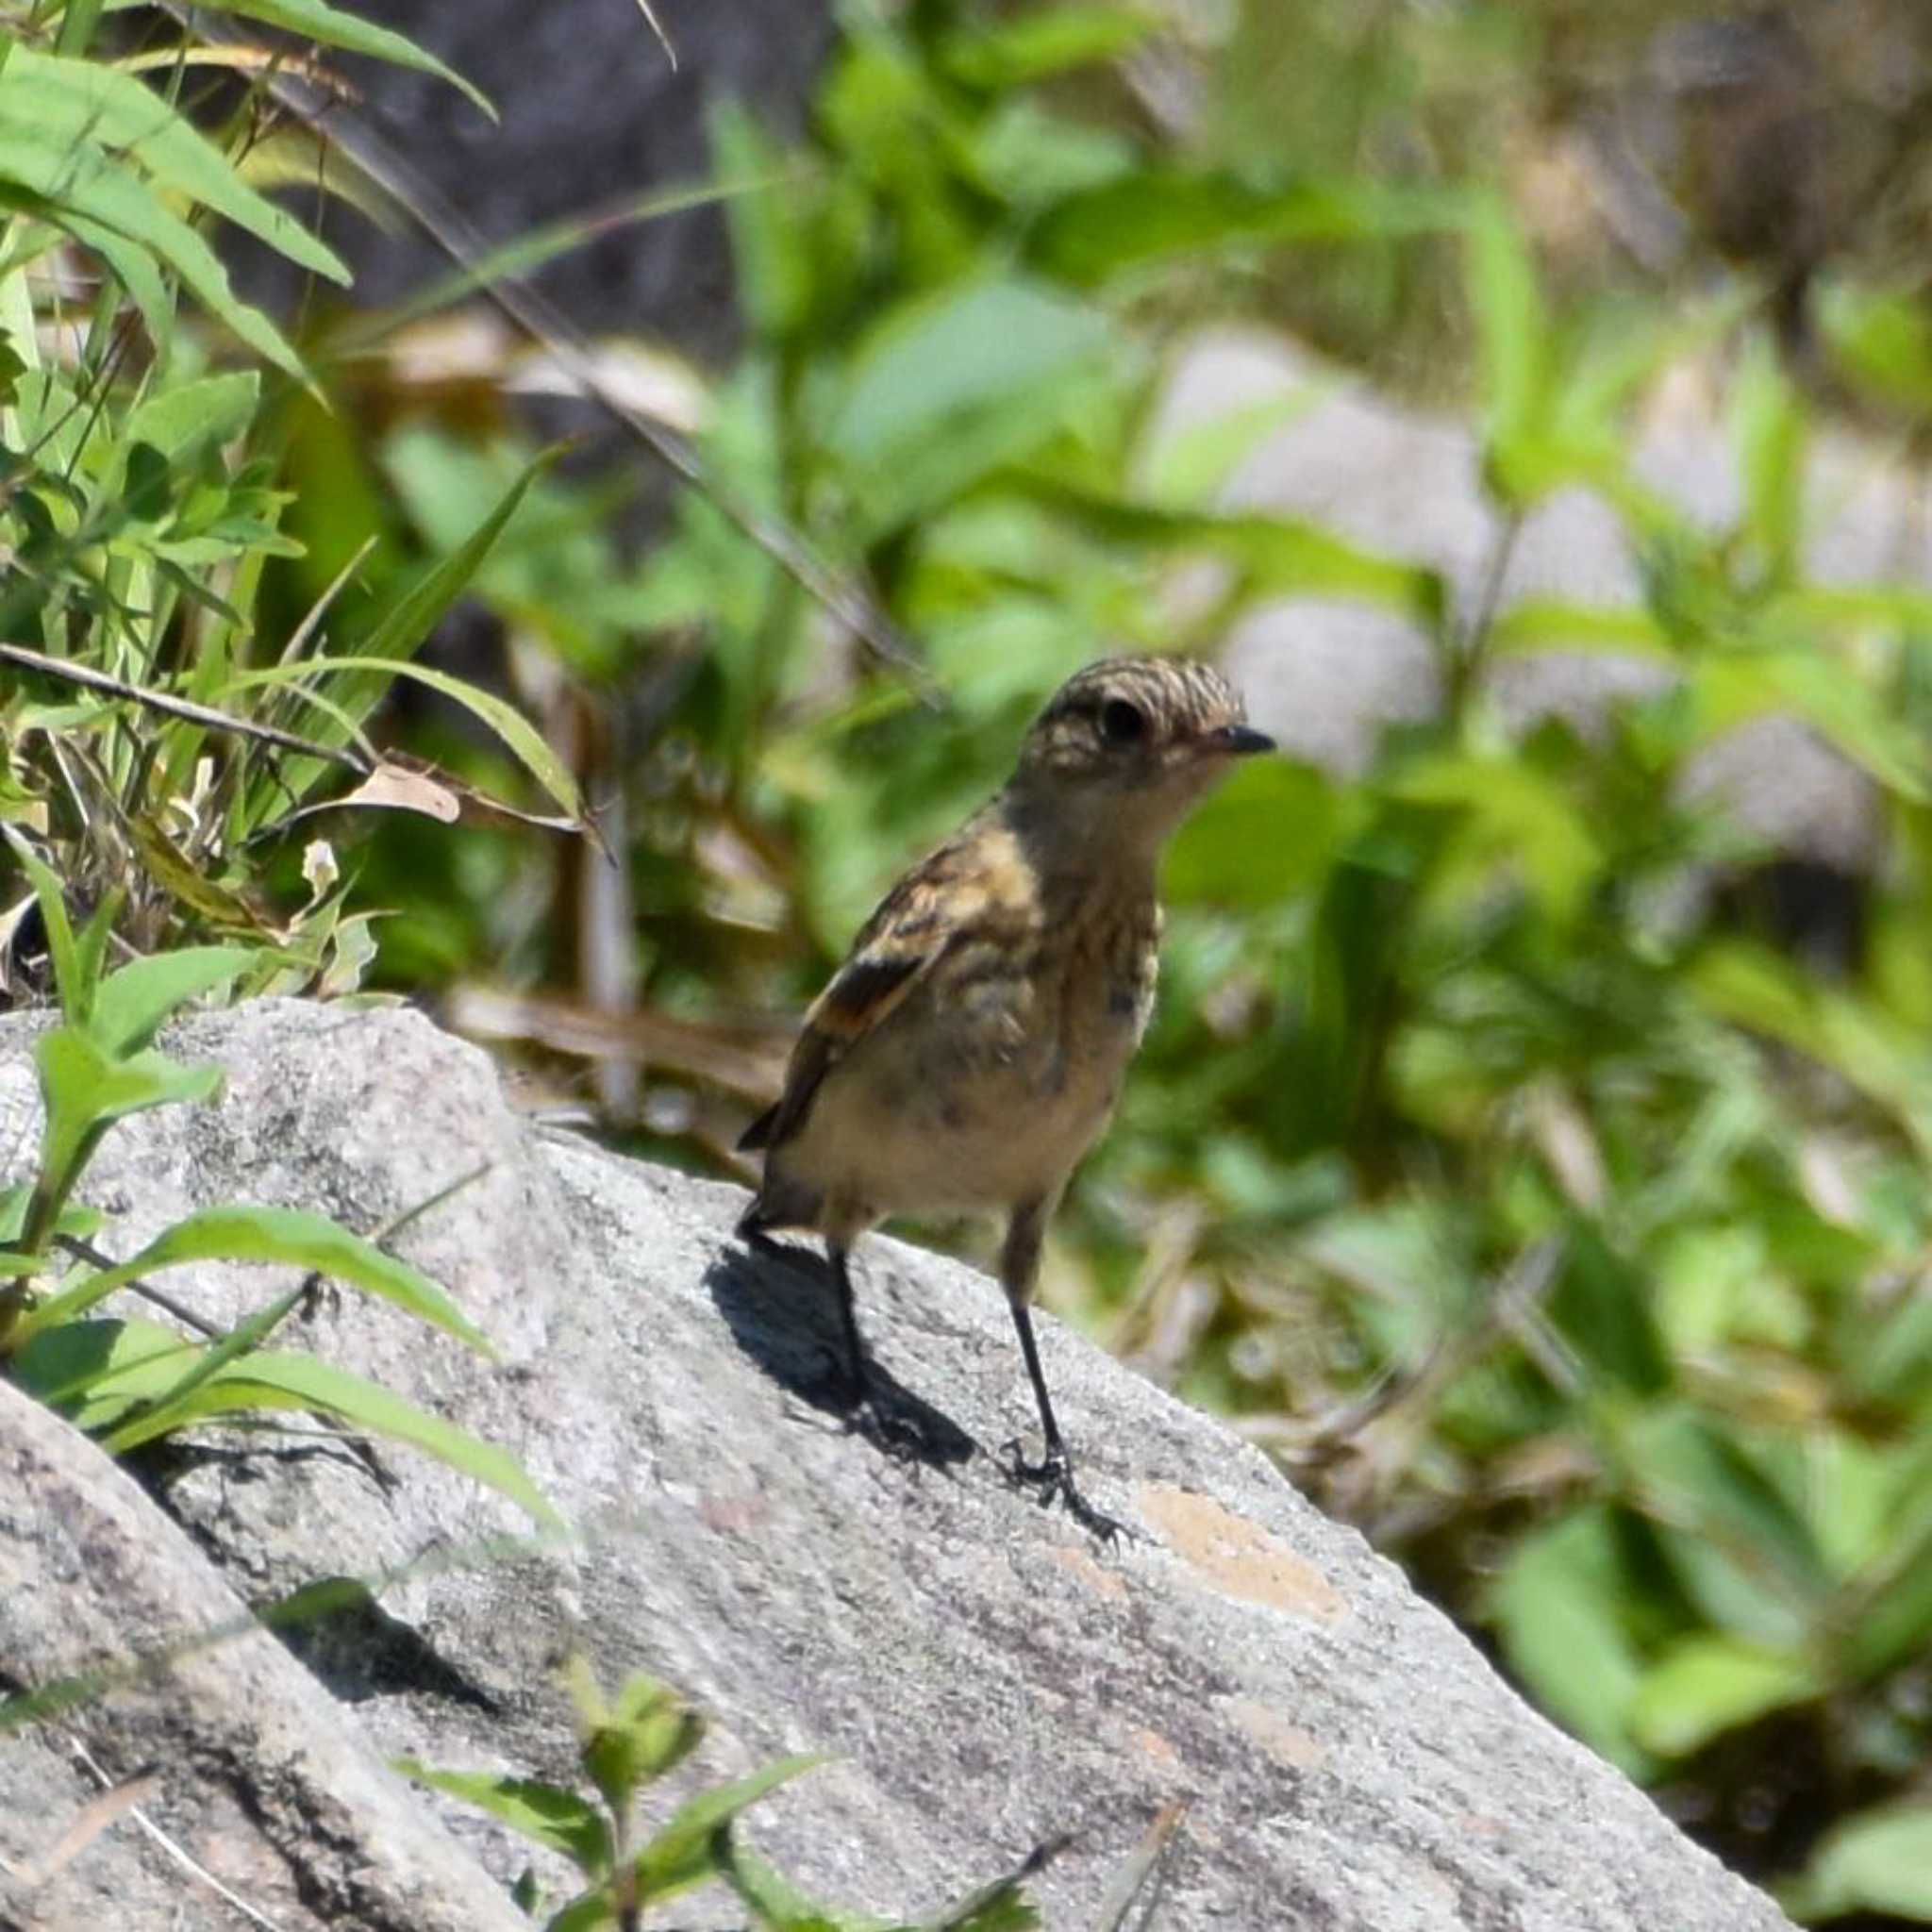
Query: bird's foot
x=872, y=1413
x=1051, y=1480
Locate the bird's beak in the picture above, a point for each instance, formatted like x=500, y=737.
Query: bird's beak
x=1236, y=741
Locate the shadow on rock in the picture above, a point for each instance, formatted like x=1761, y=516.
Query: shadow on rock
x=779, y=1304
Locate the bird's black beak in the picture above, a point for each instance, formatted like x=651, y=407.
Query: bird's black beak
x=1240, y=741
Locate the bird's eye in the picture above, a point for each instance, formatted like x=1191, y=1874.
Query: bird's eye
x=1122, y=723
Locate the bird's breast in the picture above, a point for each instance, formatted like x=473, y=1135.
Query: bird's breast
x=988, y=1083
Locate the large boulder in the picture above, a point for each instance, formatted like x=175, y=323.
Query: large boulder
x=984, y=1674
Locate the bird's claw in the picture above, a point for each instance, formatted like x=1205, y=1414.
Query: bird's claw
x=1051, y=1480
x=888, y=1429
x=874, y=1415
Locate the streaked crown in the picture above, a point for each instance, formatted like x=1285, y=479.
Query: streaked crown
x=1138, y=719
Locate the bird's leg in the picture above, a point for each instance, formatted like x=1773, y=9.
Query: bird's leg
x=873, y=1413
x=1052, y=1476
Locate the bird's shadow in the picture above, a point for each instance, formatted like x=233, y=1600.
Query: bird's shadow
x=780, y=1304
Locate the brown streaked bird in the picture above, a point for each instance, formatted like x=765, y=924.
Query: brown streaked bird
x=971, y=1049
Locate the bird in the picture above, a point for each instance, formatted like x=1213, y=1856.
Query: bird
x=971, y=1048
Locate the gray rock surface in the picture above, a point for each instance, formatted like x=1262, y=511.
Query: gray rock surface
x=591, y=113
x=256, y=1772
x=984, y=1674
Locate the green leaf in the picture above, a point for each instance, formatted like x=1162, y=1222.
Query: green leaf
x=84, y=1092
x=95, y=1373
x=1895, y=1623
x=1601, y=1303
x=955, y=385
x=400, y=631
x=1774, y=441
x=1691, y=1472
x=546, y=1814
x=1549, y=624
x=1510, y=815
x=645, y=1733
x=1272, y=555
x=1883, y=338
x=1814, y=685
x=82, y=185
x=1035, y=46
x=78, y=20
x=1514, y=332
x=1878, y=1862
x=269, y=1380
x=1705, y=1685
x=77, y=992
x=590, y=1912
x=680, y=1855
x=777, y=1904
x=1555, y=1606
x=1156, y=214
x=136, y=998
x=421, y=606
x=133, y=266
x=78, y=105
x=290, y=1236
x=168, y=1411
x=186, y=415
x=314, y=21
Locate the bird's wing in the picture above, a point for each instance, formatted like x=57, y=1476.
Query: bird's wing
x=934, y=905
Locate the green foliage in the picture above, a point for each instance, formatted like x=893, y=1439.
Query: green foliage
x=159, y=739
x=148, y=770
x=132, y=1381
x=1480, y=1078
x=1470, y=1079
x=627, y=1743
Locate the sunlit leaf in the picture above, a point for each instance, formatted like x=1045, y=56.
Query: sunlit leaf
x=1705, y=1685
x=1556, y=1609
x=1878, y=1860
x=290, y=1237
x=544, y=1813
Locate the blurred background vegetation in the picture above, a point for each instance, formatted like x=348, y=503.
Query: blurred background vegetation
x=1530, y=1147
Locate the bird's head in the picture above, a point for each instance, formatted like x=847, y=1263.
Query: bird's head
x=1139, y=738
